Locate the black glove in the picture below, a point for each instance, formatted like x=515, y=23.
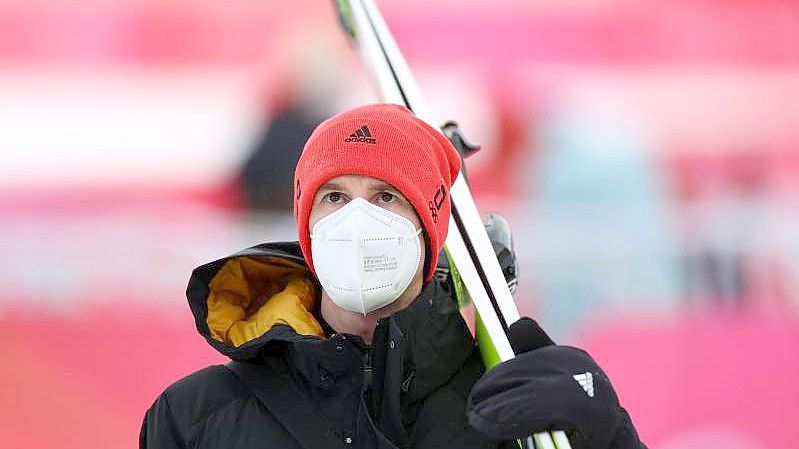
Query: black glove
x=550, y=387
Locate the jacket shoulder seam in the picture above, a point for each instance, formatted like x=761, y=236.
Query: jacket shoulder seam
x=193, y=421
x=200, y=423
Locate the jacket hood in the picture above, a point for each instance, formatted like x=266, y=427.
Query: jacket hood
x=239, y=301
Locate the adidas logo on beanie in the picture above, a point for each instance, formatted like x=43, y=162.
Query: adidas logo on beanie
x=362, y=134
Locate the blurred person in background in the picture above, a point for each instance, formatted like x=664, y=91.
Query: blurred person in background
x=266, y=175
x=303, y=97
x=345, y=339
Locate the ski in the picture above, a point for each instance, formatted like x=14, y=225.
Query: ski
x=468, y=247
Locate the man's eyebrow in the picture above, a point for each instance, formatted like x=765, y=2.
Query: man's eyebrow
x=382, y=185
x=330, y=186
x=373, y=187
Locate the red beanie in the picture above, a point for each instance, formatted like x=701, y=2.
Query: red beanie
x=389, y=143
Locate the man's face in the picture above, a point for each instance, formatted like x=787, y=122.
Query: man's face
x=340, y=190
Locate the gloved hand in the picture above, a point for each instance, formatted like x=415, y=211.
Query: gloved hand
x=550, y=387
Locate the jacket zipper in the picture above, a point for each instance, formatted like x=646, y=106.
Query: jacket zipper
x=367, y=369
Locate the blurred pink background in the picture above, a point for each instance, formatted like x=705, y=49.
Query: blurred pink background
x=645, y=151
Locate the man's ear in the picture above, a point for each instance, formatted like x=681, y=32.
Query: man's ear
x=428, y=258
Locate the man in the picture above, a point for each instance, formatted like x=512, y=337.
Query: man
x=346, y=340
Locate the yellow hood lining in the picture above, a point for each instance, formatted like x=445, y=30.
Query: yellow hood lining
x=249, y=295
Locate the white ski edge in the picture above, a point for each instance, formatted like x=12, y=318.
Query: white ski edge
x=411, y=90
x=372, y=54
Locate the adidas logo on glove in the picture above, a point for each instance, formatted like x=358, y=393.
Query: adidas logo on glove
x=586, y=380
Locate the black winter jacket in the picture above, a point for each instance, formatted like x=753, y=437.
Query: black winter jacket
x=259, y=307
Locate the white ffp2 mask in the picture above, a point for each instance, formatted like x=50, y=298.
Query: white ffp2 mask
x=365, y=256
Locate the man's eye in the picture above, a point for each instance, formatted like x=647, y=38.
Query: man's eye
x=334, y=197
x=386, y=197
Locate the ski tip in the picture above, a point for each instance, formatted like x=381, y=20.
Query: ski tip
x=344, y=12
